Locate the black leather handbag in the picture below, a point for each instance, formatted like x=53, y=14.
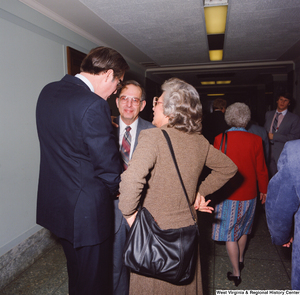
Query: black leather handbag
x=169, y=255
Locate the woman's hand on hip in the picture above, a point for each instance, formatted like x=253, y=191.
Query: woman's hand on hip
x=202, y=205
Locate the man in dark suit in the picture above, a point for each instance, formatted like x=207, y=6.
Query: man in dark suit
x=80, y=168
x=214, y=123
x=130, y=102
x=281, y=126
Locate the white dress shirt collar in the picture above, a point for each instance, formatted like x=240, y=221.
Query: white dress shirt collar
x=283, y=112
x=86, y=81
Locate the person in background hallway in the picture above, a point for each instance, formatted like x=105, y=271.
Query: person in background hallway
x=283, y=203
x=178, y=111
x=281, y=126
x=80, y=168
x=234, y=216
x=214, y=123
x=130, y=102
x=254, y=128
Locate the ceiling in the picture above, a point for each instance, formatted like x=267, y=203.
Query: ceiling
x=168, y=37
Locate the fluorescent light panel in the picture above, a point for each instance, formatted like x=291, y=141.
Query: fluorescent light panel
x=223, y=82
x=214, y=82
x=208, y=83
x=215, y=55
x=215, y=19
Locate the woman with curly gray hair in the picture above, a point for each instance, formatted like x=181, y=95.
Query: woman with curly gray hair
x=234, y=216
x=178, y=111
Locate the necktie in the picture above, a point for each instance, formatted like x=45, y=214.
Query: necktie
x=125, y=148
x=275, y=123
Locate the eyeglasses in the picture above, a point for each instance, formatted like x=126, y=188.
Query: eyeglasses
x=120, y=84
x=134, y=100
x=155, y=101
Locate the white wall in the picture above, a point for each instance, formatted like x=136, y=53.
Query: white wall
x=32, y=54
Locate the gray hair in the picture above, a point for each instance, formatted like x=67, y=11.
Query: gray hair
x=182, y=105
x=238, y=115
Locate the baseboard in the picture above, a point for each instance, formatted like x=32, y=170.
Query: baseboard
x=15, y=261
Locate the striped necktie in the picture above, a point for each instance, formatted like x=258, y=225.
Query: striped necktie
x=125, y=148
x=275, y=123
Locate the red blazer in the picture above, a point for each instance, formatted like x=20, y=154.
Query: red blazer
x=246, y=151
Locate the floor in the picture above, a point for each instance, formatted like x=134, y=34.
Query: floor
x=267, y=267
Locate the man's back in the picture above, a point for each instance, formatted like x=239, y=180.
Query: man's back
x=214, y=124
x=79, y=162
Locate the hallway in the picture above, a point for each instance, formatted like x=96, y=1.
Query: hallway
x=266, y=266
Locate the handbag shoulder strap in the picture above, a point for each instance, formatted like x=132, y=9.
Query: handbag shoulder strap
x=179, y=175
x=225, y=148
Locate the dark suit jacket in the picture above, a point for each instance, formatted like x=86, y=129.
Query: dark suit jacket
x=289, y=129
x=80, y=167
x=214, y=124
x=260, y=131
x=142, y=124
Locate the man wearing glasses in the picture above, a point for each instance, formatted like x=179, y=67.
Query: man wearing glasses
x=131, y=101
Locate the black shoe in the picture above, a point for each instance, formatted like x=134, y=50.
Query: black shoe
x=237, y=280
x=241, y=265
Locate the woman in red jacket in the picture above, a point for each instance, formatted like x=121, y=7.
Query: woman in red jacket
x=234, y=216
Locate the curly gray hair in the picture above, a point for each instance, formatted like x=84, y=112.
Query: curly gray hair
x=238, y=115
x=182, y=105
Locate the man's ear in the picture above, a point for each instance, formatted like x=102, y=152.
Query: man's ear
x=109, y=74
x=117, y=102
x=143, y=104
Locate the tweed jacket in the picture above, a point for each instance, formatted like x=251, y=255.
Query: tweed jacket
x=152, y=154
x=283, y=203
x=165, y=197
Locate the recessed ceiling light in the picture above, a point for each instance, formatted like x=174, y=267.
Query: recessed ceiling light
x=215, y=55
x=215, y=19
x=223, y=82
x=208, y=82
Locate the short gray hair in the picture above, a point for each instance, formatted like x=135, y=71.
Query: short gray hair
x=182, y=105
x=238, y=115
